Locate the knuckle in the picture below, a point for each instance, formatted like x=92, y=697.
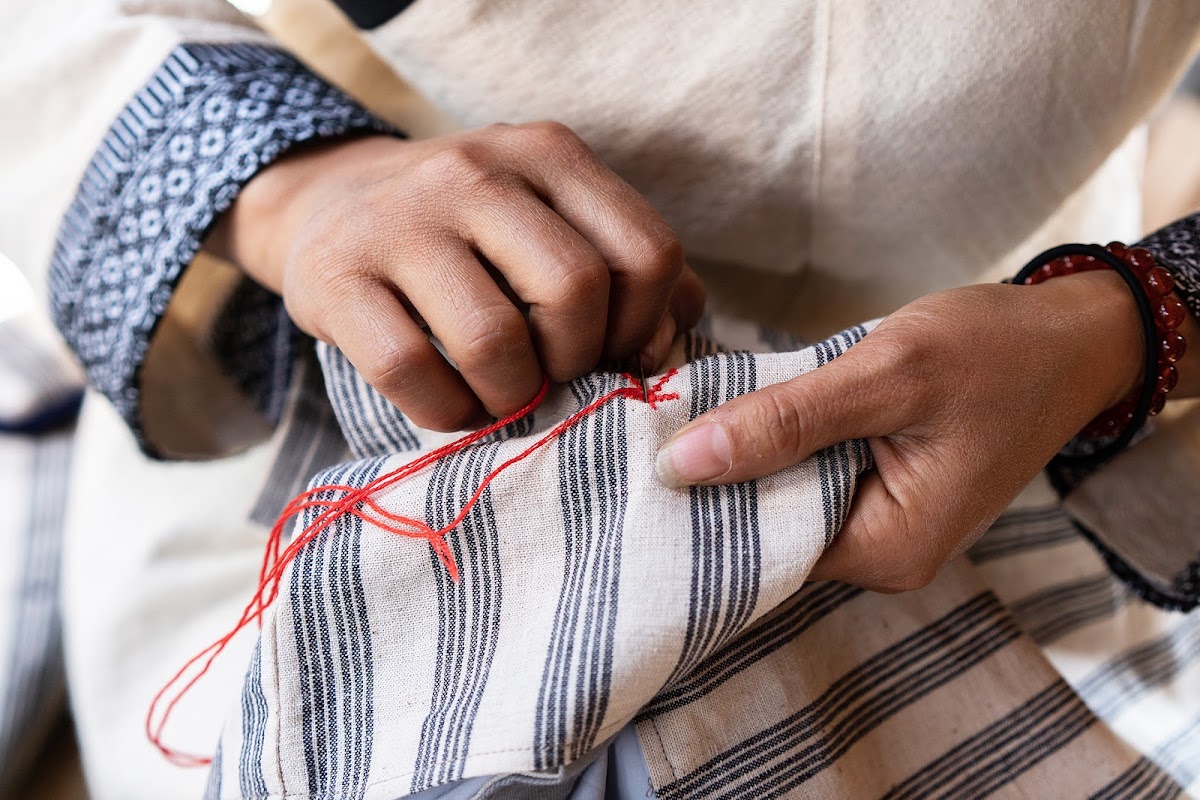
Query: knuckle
x=491, y=335
x=553, y=133
x=318, y=291
x=560, y=142
x=661, y=257
x=581, y=283
x=464, y=165
x=906, y=366
x=396, y=367
x=780, y=420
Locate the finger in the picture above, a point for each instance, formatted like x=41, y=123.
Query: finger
x=687, y=302
x=395, y=356
x=879, y=547
x=686, y=307
x=556, y=272
x=780, y=425
x=480, y=329
x=643, y=254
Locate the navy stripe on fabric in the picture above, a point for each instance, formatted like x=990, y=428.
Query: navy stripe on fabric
x=805, y=609
x=329, y=614
x=577, y=675
x=1019, y=531
x=1180, y=755
x=1003, y=750
x=212, y=786
x=726, y=549
x=783, y=756
x=1142, y=781
x=468, y=615
x=1122, y=679
x=1054, y=612
x=254, y=730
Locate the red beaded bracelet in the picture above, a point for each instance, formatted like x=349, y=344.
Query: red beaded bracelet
x=1168, y=313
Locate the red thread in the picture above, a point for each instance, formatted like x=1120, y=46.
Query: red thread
x=359, y=503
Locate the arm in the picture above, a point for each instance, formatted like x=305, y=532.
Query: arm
x=138, y=129
x=963, y=395
x=514, y=245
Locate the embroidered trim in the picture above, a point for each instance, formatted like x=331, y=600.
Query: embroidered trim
x=175, y=158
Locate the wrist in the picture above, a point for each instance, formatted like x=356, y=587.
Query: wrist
x=258, y=230
x=1104, y=335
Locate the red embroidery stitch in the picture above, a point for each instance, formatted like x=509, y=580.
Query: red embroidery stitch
x=359, y=503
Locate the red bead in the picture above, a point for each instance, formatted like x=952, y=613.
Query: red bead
x=1159, y=282
x=1044, y=273
x=1091, y=263
x=1168, y=378
x=1169, y=313
x=1140, y=259
x=1157, y=402
x=1117, y=249
x=1171, y=347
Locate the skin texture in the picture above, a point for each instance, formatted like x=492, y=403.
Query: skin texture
x=514, y=246
x=963, y=396
x=526, y=257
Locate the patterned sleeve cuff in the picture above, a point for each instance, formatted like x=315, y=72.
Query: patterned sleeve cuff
x=1152, y=545
x=208, y=120
x=1177, y=247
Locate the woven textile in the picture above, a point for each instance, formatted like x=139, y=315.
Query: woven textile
x=39, y=396
x=591, y=598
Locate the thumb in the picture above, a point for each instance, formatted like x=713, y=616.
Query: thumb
x=775, y=427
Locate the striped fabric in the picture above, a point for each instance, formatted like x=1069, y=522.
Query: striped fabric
x=592, y=599
x=39, y=399
x=33, y=483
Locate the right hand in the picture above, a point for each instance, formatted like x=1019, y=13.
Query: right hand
x=515, y=245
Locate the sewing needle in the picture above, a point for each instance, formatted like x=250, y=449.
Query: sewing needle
x=641, y=371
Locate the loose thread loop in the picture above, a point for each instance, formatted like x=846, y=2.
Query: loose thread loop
x=360, y=503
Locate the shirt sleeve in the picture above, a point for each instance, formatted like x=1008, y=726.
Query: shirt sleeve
x=178, y=108
x=1140, y=508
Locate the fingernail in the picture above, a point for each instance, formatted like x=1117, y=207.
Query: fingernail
x=658, y=348
x=700, y=454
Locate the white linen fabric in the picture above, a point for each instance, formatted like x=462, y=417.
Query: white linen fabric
x=824, y=152
x=576, y=557
x=591, y=597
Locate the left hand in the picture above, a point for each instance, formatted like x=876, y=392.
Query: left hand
x=963, y=396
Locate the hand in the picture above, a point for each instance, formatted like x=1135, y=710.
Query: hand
x=963, y=397
x=517, y=248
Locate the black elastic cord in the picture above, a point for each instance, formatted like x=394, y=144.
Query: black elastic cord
x=1149, y=382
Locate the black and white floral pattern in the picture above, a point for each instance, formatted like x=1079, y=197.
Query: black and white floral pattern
x=209, y=119
x=1177, y=247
